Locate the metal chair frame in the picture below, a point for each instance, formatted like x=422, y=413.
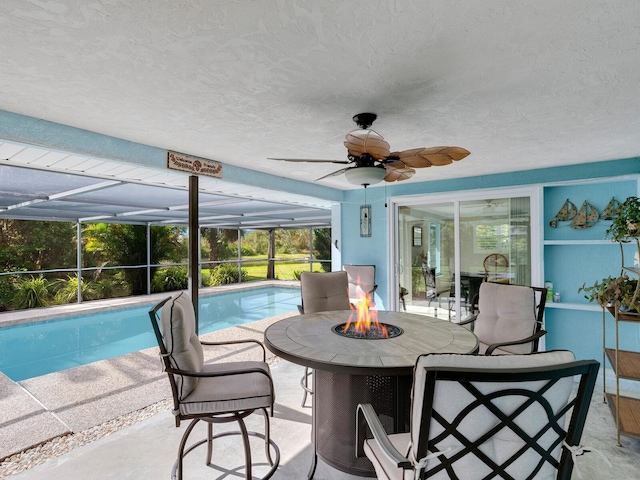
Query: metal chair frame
x=213, y=418
x=548, y=375
x=538, y=331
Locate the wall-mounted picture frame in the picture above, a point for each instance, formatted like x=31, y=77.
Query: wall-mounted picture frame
x=417, y=236
x=365, y=220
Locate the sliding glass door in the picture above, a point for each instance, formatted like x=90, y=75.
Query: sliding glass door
x=445, y=250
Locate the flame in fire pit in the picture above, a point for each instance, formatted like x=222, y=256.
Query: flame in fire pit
x=366, y=319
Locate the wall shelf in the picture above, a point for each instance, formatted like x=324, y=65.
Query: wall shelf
x=577, y=242
x=574, y=306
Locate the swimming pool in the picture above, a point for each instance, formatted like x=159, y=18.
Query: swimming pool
x=33, y=349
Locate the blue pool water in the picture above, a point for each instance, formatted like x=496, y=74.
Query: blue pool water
x=33, y=349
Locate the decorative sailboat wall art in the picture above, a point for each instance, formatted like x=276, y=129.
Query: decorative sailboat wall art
x=612, y=210
x=587, y=216
x=565, y=214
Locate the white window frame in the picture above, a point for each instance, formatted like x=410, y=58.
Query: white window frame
x=534, y=192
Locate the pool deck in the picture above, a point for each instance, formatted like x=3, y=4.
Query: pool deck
x=38, y=409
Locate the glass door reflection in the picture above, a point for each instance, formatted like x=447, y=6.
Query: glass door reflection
x=494, y=238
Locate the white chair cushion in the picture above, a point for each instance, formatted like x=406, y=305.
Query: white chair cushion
x=506, y=312
x=450, y=398
x=385, y=469
x=178, y=325
x=229, y=393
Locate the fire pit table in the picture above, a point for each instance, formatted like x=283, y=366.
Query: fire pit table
x=350, y=370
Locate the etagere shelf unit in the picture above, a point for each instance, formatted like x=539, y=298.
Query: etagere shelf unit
x=625, y=363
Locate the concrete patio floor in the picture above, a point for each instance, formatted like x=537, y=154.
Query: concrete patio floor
x=82, y=398
x=147, y=449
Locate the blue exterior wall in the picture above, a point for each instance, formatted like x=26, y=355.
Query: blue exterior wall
x=568, y=265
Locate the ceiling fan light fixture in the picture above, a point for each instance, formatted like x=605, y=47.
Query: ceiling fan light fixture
x=365, y=175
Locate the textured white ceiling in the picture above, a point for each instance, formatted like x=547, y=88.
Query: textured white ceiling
x=521, y=85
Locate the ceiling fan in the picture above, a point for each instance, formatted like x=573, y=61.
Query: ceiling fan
x=370, y=160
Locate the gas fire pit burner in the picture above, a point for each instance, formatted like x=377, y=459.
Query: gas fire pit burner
x=374, y=332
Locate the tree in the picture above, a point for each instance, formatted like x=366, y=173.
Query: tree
x=127, y=245
x=322, y=246
x=220, y=242
x=36, y=245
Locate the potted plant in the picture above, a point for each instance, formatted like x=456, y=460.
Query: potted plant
x=627, y=222
x=613, y=292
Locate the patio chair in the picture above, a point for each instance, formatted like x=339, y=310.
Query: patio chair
x=220, y=392
x=435, y=285
x=494, y=265
x=321, y=292
x=509, y=318
x=485, y=417
x=361, y=280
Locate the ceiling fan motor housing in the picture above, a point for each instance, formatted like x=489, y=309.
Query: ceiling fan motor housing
x=364, y=120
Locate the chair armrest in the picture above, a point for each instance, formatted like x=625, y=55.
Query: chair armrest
x=533, y=337
x=237, y=342
x=469, y=320
x=366, y=416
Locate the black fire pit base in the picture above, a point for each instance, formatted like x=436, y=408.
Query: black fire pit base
x=335, y=398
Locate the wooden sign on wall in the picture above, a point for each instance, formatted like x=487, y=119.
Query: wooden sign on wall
x=199, y=166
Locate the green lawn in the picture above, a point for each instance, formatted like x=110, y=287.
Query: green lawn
x=284, y=270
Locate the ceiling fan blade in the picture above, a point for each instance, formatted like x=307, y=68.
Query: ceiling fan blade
x=432, y=156
x=359, y=142
x=397, y=171
x=310, y=160
x=333, y=174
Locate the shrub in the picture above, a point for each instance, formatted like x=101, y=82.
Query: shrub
x=32, y=292
x=206, y=277
x=6, y=289
x=226, y=274
x=169, y=279
x=67, y=290
x=111, y=287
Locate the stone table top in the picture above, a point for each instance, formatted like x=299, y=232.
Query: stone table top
x=309, y=340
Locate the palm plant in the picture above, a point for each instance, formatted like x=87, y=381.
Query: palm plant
x=32, y=292
x=67, y=290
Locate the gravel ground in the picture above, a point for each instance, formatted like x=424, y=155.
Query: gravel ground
x=65, y=443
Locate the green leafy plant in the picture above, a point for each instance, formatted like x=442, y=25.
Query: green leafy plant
x=627, y=223
x=170, y=279
x=226, y=274
x=67, y=290
x=615, y=291
x=32, y=292
x=113, y=287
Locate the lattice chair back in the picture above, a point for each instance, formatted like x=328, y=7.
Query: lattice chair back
x=475, y=417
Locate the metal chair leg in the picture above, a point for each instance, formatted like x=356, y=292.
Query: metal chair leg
x=304, y=383
x=183, y=450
